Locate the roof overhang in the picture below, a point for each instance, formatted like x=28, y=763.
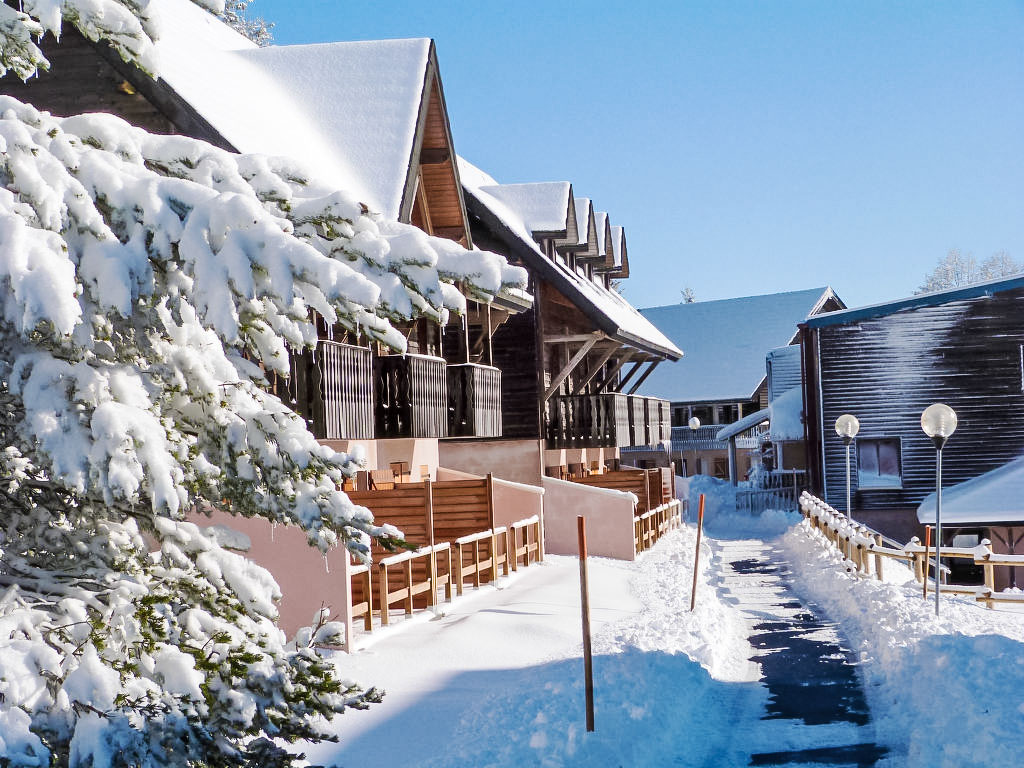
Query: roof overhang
x=548, y=271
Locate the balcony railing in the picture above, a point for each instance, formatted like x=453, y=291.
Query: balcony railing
x=700, y=439
x=331, y=388
x=412, y=396
x=474, y=401
x=608, y=420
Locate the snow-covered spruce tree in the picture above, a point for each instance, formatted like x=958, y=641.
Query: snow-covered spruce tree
x=127, y=25
x=256, y=28
x=146, y=283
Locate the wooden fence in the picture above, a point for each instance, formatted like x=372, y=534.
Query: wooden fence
x=451, y=523
x=651, y=526
x=645, y=484
x=864, y=550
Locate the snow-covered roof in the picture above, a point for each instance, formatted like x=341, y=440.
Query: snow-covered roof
x=739, y=427
x=584, y=219
x=932, y=299
x=612, y=313
x=348, y=111
x=726, y=342
x=994, y=497
x=544, y=206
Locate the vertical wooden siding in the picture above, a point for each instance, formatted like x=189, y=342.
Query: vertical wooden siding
x=887, y=370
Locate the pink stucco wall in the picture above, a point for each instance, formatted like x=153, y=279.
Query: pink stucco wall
x=514, y=502
x=517, y=460
x=307, y=580
x=609, y=515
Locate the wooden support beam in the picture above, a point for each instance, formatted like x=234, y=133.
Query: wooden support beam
x=570, y=367
x=615, y=369
x=573, y=338
x=642, y=379
x=612, y=349
x=629, y=375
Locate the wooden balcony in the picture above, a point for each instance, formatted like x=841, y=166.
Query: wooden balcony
x=608, y=420
x=588, y=421
x=411, y=396
x=474, y=401
x=331, y=388
x=659, y=420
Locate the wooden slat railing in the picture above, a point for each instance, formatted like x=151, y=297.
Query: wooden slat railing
x=650, y=526
x=452, y=522
x=525, y=539
x=411, y=585
x=474, y=400
x=645, y=484
x=484, y=561
x=411, y=396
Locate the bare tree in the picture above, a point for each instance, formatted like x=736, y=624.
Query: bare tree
x=958, y=269
x=689, y=295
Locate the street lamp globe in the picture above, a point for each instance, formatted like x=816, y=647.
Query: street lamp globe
x=847, y=426
x=694, y=422
x=938, y=422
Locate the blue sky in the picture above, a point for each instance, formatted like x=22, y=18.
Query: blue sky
x=747, y=147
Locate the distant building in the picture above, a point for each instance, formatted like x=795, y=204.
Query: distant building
x=723, y=377
x=885, y=364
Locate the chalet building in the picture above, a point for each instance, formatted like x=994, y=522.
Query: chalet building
x=368, y=117
x=885, y=364
x=537, y=381
x=571, y=364
x=732, y=357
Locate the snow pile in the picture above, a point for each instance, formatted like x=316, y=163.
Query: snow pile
x=721, y=519
x=658, y=670
x=944, y=691
x=786, y=415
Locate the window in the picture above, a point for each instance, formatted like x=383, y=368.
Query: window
x=878, y=463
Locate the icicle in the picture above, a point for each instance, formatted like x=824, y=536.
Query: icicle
x=273, y=527
x=327, y=567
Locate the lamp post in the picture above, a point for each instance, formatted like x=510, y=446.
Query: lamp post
x=694, y=425
x=938, y=422
x=847, y=428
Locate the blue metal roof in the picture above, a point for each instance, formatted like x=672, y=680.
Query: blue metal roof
x=843, y=316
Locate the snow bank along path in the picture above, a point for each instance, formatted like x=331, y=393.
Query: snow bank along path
x=945, y=692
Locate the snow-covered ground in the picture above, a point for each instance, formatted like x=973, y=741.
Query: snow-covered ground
x=497, y=680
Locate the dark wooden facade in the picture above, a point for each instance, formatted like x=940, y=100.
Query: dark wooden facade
x=965, y=349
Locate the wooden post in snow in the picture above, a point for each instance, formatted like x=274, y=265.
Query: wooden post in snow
x=696, y=557
x=588, y=659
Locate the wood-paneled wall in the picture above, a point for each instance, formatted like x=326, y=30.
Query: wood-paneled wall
x=887, y=370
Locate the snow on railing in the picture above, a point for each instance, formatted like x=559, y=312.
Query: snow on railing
x=862, y=547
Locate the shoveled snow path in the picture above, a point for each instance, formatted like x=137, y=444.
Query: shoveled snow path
x=816, y=713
